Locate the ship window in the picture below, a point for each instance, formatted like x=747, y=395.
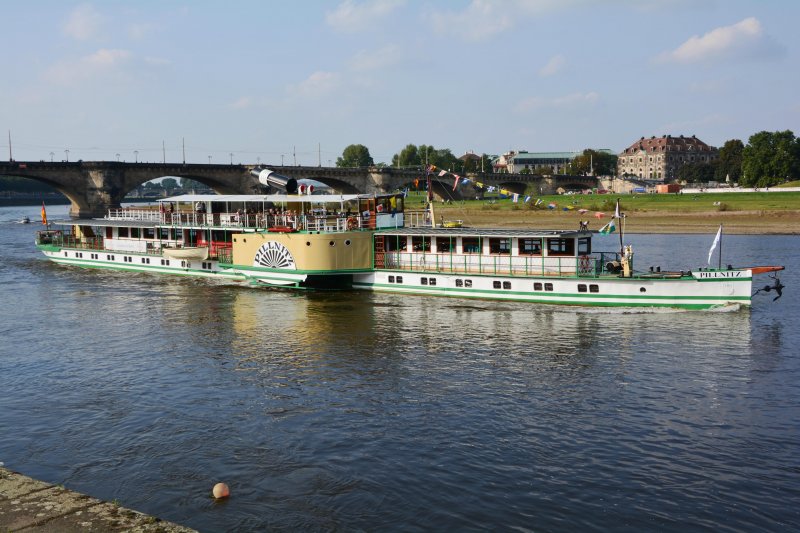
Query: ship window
x=149, y=233
x=467, y=283
x=134, y=233
x=391, y=279
x=557, y=246
x=459, y=283
x=581, y=287
x=537, y=286
x=500, y=246
x=530, y=246
x=122, y=232
x=443, y=245
x=584, y=246
x=332, y=243
x=424, y=281
x=399, y=279
x=471, y=245
x=396, y=244
x=594, y=288
x=308, y=243
x=642, y=289
x=548, y=286
x=496, y=284
x=507, y=285
x=421, y=244
x=347, y=242
x=164, y=233
x=432, y=281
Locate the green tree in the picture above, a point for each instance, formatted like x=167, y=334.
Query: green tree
x=730, y=161
x=355, y=155
x=408, y=157
x=697, y=172
x=593, y=162
x=770, y=158
x=169, y=183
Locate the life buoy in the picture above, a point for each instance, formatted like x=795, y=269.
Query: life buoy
x=352, y=223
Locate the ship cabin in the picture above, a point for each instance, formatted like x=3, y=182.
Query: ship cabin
x=489, y=251
x=211, y=221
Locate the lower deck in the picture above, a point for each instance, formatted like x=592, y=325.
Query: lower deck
x=682, y=292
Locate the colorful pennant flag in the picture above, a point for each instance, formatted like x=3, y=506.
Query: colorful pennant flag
x=44, y=215
x=609, y=228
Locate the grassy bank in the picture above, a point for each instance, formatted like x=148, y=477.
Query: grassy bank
x=743, y=213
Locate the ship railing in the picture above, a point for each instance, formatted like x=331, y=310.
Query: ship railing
x=137, y=215
x=417, y=219
x=225, y=255
x=501, y=264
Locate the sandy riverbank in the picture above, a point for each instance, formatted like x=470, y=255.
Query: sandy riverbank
x=734, y=222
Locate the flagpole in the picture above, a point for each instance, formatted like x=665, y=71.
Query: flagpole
x=621, y=245
x=719, y=266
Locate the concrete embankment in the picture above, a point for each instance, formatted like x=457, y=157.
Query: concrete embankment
x=29, y=505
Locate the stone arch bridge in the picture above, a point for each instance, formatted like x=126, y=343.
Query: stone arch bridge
x=95, y=186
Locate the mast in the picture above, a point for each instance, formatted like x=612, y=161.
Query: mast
x=10, y=157
x=430, y=194
x=719, y=265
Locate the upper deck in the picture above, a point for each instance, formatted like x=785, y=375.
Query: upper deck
x=276, y=212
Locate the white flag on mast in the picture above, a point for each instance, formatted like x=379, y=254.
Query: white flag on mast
x=714, y=244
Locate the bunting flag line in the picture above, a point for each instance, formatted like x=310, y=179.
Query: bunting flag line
x=515, y=198
x=539, y=201
x=527, y=199
x=442, y=173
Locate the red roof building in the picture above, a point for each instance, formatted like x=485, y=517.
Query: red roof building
x=659, y=158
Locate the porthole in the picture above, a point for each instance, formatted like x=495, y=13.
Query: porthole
x=642, y=289
x=308, y=243
x=347, y=242
x=332, y=243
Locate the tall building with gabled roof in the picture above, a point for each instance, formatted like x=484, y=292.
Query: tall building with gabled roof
x=659, y=158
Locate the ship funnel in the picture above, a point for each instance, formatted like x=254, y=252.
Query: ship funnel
x=271, y=178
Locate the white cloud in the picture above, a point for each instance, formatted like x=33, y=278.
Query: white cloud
x=568, y=101
x=480, y=20
x=741, y=39
x=142, y=30
x=483, y=19
x=317, y=84
x=242, y=103
x=83, y=23
x=100, y=63
x=352, y=17
x=375, y=59
x=554, y=66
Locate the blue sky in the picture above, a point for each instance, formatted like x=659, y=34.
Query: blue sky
x=266, y=79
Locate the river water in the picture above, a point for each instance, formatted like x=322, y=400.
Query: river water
x=358, y=411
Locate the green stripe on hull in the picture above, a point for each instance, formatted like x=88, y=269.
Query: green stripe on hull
x=594, y=300
x=155, y=269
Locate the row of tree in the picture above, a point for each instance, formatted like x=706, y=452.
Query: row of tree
x=768, y=158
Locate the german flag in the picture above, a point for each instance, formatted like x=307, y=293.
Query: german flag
x=44, y=215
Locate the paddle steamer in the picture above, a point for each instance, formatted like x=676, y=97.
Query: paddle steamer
x=370, y=242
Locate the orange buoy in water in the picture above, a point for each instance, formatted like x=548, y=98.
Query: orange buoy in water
x=221, y=490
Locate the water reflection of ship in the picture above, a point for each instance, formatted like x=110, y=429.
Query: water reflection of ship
x=310, y=323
